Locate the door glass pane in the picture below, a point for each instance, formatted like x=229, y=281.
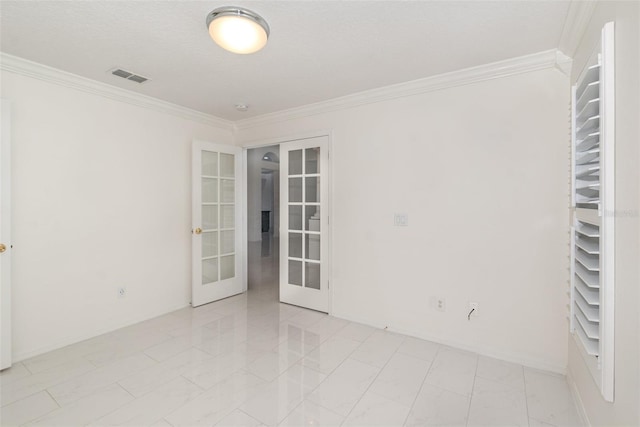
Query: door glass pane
x=209, y=190
x=312, y=246
x=227, y=267
x=227, y=165
x=295, y=245
x=295, y=162
x=295, y=217
x=312, y=162
x=295, y=272
x=210, y=217
x=312, y=275
x=227, y=241
x=227, y=191
x=209, y=163
x=312, y=190
x=209, y=244
x=295, y=189
x=227, y=216
x=312, y=218
x=209, y=270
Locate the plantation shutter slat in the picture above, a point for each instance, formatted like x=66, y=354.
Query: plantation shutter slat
x=592, y=201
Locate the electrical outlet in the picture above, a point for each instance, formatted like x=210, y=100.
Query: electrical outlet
x=473, y=309
x=441, y=304
x=401, y=220
x=122, y=292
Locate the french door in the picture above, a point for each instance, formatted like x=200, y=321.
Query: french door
x=217, y=244
x=5, y=235
x=304, y=220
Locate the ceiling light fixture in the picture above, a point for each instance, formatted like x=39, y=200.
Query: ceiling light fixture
x=237, y=29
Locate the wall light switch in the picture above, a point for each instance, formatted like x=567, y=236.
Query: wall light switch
x=401, y=219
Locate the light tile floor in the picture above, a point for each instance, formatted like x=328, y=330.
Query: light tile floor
x=250, y=361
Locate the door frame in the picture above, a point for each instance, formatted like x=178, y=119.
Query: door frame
x=248, y=145
x=5, y=258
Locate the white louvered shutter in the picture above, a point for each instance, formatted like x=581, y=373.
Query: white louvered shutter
x=592, y=250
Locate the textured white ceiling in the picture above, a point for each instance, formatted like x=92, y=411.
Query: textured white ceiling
x=318, y=50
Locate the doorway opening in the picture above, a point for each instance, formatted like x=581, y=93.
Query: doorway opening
x=263, y=221
x=288, y=222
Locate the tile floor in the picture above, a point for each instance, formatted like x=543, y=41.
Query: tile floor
x=250, y=361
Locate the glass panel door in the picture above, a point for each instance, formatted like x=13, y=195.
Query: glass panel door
x=216, y=241
x=303, y=272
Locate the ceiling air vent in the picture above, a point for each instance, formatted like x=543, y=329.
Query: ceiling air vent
x=128, y=75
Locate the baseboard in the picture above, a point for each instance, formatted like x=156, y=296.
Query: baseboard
x=18, y=357
x=575, y=394
x=520, y=359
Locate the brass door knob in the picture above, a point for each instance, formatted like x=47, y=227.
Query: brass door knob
x=198, y=230
x=2, y=248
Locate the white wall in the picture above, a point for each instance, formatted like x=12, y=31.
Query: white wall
x=267, y=190
x=101, y=199
x=482, y=171
x=270, y=193
x=625, y=409
x=255, y=164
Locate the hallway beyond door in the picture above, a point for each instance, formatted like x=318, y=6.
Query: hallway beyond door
x=264, y=258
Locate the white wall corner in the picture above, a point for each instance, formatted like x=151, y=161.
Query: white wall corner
x=575, y=25
x=563, y=63
x=575, y=394
x=522, y=64
x=48, y=74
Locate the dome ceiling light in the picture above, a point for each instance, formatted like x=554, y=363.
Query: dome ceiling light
x=237, y=29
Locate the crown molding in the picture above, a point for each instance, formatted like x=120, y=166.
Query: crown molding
x=523, y=64
x=518, y=65
x=575, y=24
x=563, y=63
x=48, y=74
